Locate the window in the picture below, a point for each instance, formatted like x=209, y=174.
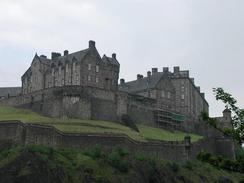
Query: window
x=77, y=78
x=97, y=80
x=74, y=66
x=89, y=78
x=59, y=70
x=182, y=97
x=89, y=67
x=67, y=68
x=169, y=95
x=162, y=93
x=182, y=89
x=97, y=68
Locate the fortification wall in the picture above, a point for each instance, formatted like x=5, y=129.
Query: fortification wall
x=21, y=133
x=140, y=109
x=70, y=101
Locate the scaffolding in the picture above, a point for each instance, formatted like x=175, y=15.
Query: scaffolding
x=168, y=119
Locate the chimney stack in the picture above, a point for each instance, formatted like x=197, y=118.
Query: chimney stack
x=43, y=56
x=139, y=76
x=122, y=81
x=154, y=70
x=114, y=56
x=176, y=69
x=55, y=55
x=165, y=69
x=66, y=52
x=149, y=73
x=92, y=44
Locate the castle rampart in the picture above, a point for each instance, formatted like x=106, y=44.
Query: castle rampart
x=25, y=134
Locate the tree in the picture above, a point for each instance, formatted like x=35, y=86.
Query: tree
x=238, y=114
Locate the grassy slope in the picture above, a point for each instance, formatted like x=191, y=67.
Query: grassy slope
x=75, y=164
x=91, y=126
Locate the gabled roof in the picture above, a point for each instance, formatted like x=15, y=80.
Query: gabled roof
x=79, y=55
x=109, y=60
x=143, y=83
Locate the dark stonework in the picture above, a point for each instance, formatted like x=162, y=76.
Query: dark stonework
x=21, y=133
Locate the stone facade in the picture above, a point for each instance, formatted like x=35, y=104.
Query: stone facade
x=25, y=134
x=7, y=92
x=175, y=94
x=83, y=68
x=85, y=85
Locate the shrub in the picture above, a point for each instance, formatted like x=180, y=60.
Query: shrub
x=94, y=152
x=204, y=156
x=173, y=166
x=140, y=156
x=224, y=180
x=188, y=165
x=117, y=159
x=129, y=122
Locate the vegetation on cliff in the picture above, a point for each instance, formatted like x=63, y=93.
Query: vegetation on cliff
x=93, y=126
x=237, y=132
x=43, y=164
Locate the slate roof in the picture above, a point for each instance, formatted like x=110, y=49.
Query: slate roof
x=109, y=60
x=143, y=83
x=11, y=91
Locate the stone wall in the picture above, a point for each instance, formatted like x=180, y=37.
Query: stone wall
x=25, y=134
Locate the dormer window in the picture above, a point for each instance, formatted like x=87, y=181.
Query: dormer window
x=89, y=67
x=97, y=68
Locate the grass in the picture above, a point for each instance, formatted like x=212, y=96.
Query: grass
x=92, y=126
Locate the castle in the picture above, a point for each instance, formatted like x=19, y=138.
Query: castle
x=81, y=84
x=85, y=85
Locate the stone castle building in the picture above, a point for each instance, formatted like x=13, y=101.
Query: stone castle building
x=85, y=85
x=82, y=68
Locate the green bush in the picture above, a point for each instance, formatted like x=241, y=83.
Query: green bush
x=129, y=122
x=140, y=156
x=94, y=152
x=117, y=159
x=173, y=166
x=204, y=156
x=222, y=162
x=188, y=165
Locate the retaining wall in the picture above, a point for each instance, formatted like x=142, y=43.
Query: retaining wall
x=22, y=133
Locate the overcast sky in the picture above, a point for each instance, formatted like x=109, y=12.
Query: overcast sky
x=203, y=36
